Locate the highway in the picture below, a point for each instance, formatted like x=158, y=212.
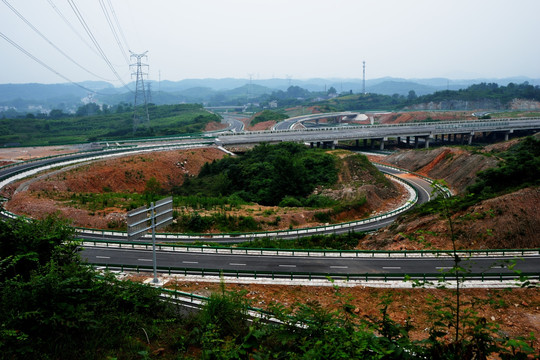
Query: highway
x=235, y=125
x=296, y=264
x=305, y=264
x=424, y=130
x=289, y=123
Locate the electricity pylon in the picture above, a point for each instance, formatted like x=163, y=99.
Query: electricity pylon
x=140, y=111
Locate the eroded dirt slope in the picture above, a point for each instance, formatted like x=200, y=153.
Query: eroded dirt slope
x=458, y=167
x=510, y=221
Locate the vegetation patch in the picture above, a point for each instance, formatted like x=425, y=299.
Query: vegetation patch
x=56, y=306
x=267, y=115
x=265, y=175
x=114, y=124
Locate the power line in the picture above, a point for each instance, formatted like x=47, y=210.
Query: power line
x=96, y=43
x=21, y=49
x=118, y=24
x=49, y=41
x=66, y=21
x=113, y=30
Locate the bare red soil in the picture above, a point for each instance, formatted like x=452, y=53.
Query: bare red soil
x=516, y=311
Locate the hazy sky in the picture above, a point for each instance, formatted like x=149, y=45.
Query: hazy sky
x=275, y=38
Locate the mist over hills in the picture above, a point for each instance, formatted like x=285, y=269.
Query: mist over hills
x=35, y=97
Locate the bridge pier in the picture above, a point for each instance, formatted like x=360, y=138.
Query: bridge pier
x=507, y=134
x=408, y=140
x=471, y=135
x=416, y=142
x=381, y=146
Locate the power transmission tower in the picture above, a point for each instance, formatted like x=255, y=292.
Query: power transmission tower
x=140, y=111
x=364, y=78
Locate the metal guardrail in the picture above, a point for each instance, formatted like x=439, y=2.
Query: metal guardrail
x=198, y=301
x=310, y=276
x=442, y=189
x=312, y=252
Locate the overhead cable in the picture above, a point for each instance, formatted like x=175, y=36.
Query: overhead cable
x=66, y=21
x=96, y=43
x=113, y=30
x=50, y=42
x=21, y=49
x=118, y=24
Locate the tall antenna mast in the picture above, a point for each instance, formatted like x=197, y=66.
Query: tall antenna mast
x=140, y=111
x=364, y=78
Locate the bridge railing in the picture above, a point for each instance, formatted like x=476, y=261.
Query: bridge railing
x=498, y=124
x=312, y=276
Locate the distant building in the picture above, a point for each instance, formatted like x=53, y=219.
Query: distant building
x=273, y=104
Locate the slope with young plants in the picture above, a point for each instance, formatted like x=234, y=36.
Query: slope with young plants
x=498, y=210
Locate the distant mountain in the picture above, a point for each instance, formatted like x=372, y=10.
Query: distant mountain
x=44, y=97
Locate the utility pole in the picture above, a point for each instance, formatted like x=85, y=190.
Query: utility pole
x=364, y=78
x=140, y=111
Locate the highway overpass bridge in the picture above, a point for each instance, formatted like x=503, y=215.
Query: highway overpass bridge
x=411, y=133
x=336, y=117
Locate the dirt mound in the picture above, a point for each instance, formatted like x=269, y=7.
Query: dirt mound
x=456, y=166
x=265, y=125
x=130, y=173
x=213, y=126
x=507, y=222
x=404, y=117
x=123, y=174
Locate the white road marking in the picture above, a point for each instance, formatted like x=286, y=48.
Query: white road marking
x=144, y=259
x=236, y=264
x=102, y=257
x=190, y=262
x=291, y=266
x=339, y=267
x=391, y=267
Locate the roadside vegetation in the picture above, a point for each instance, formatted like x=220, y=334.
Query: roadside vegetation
x=91, y=124
x=267, y=115
x=265, y=175
x=519, y=168
x=54, y=307
x=346, y=241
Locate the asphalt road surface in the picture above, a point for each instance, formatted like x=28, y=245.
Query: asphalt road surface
x=303, y=264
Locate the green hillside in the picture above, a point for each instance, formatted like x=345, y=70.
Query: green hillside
x=164, y=120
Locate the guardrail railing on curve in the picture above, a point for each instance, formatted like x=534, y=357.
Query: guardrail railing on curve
x=311, y=252
x=311, y=276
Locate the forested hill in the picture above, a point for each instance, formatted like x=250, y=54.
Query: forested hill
x=478, y=96
x=490, y=94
